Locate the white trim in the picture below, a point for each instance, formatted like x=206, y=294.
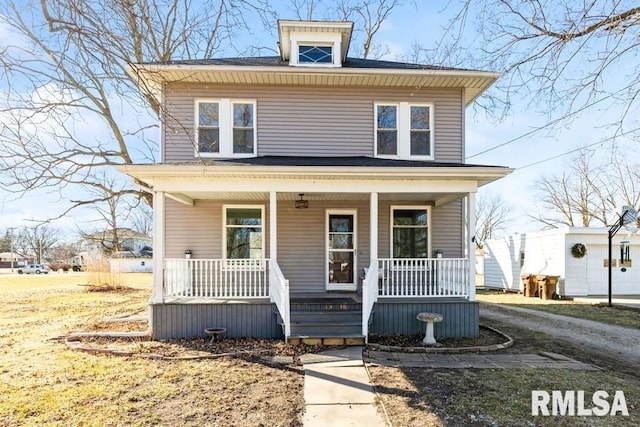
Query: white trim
x=341, y=286
x=403, y=129
x=273, y=226
x=157, y=296
x=313, y=184
x=373, y=227
x=471, y=246
x=224, y=225
x=409, y=207
x=225, y=127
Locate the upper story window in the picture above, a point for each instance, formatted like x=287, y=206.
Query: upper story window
x=404, y=131
x=314, y=54
x=225, y=128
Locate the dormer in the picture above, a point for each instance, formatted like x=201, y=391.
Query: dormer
x=314, y=43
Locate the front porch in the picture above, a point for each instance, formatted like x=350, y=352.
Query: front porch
x=261, y=232
x=251, y=297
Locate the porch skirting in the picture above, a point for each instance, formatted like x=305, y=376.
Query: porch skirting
x=241, y=319
x=398, y=316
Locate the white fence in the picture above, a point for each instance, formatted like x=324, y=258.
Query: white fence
x=423, y=277
x=216, y=278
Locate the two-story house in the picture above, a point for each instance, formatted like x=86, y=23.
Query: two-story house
x=312, y=195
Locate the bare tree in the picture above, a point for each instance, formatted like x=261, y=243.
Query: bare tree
x=68, y=108
x=141, y=219
x=368, y=17
x=65, y=251
x=492, y=215
x=587, y=192
x=38, y=240
x=565, y=57
x=112, y=212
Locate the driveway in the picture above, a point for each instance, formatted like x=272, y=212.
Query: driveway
x=615, y=342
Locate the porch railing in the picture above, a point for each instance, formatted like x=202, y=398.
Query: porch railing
x=369, y=296
x=216, y=278
x=279, y=291
x=423, y=277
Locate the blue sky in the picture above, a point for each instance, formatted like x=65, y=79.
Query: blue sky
x=403, y=28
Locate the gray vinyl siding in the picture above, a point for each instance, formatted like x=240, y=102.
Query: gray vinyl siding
x=302, y=244
x=255, y=319
x=313, y=121
x=301, y=234
x=447, y=229
x=200, y=228
x=461, y=318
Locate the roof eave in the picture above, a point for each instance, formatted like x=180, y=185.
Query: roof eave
x=483, y=174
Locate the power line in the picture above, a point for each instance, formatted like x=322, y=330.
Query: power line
x=579, y=110
x=602, y=141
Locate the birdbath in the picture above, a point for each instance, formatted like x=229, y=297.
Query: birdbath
x=430, y=319
x=215, y=333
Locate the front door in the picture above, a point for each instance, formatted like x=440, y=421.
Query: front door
x=341, y=250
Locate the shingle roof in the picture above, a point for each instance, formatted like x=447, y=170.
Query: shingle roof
x=303, y=161
x=276, y=61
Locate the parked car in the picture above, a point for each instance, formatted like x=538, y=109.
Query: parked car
x=34, y=268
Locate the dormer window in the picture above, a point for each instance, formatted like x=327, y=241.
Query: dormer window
x=314, y=43
x=315, y=54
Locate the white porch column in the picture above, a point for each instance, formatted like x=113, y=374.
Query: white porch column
x=471, y=246
x=273, y=226
x=157, y=296
x=373, y=227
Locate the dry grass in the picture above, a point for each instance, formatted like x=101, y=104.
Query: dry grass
x=42, y=382
x=492, y=397
x=616, y=315
x=502, y=397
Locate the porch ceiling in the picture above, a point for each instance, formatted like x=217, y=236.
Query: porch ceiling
x=256, y=196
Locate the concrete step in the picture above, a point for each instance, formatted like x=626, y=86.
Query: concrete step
x=325, y=316
x=339, y=340
x=326, y=329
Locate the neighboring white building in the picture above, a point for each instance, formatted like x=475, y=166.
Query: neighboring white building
x=129, y=240
x=549, y=253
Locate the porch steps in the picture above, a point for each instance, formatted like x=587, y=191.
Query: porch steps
x=327, y=321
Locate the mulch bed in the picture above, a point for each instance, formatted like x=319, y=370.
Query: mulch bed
x=485, y=338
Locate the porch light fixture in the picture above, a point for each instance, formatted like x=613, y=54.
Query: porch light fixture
x=302, y=203
x=187, y=253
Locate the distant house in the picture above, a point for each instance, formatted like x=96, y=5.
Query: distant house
x=18, y=260
x=128, y=240
x=558, y=252
x=312, y=194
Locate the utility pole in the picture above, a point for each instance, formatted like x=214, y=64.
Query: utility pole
x=11, y=245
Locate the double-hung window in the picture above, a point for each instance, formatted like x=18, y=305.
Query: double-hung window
x=404, y=131
x=225, y=128
x=410, y=232
x=243, y=231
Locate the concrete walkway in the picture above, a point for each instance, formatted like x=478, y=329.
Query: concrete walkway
x=337, y=390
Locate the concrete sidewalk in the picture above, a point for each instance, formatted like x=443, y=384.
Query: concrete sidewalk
x=337, y=390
